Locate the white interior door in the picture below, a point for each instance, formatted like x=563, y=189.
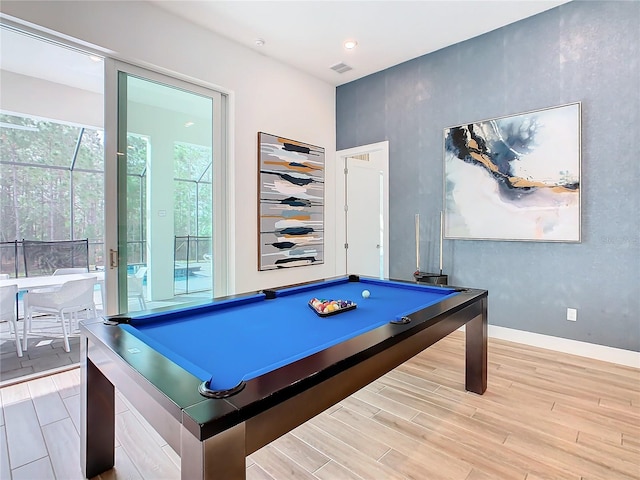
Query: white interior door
x=366, y=207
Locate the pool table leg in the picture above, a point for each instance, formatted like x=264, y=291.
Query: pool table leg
x=97, y=417
x=221, y=457
x=476, y=352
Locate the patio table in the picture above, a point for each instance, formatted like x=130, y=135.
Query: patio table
x=30, y=283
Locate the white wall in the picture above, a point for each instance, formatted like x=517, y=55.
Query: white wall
x=266, y=96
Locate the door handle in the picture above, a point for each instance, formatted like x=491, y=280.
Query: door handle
x=113, y=258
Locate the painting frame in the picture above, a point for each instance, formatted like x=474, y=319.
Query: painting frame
x=515, y=177
x=291, y=200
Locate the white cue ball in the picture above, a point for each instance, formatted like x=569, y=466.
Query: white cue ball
x=365, y=294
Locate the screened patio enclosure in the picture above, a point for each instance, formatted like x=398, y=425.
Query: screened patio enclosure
x=52, y=189
x=51, y=184
x=192, y=216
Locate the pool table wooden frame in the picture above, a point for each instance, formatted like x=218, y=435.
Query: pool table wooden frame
x=214, y=436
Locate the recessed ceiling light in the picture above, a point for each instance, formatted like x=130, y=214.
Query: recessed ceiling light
x=260, y=42
x=189, y=124
x=350, y=44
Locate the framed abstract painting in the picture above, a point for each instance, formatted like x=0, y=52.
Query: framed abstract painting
x=291, y=203
x=515, y=177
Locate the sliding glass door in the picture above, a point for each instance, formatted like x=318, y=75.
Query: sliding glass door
x=168, y=159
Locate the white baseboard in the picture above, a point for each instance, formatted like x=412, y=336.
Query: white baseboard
x=574, y=347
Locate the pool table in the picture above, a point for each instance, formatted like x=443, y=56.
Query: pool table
x=219, y=381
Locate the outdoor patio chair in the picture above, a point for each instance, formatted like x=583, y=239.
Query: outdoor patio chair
x=68, y=299
x=8, y=312
x=70, y=271
x=135, y=286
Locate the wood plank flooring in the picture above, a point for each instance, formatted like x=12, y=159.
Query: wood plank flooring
x=545, y=415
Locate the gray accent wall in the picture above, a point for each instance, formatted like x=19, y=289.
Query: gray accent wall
x=586, y=51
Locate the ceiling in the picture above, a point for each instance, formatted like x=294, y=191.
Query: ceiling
x=309, y=35
x=305, y=34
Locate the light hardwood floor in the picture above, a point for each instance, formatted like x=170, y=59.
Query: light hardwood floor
x=545, y=415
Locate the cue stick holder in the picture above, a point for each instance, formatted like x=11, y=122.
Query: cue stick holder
x=425, y=277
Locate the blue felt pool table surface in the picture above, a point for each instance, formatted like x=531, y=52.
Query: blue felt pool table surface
x=230, y=341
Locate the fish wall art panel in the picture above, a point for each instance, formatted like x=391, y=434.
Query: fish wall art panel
x=514, y=177
x=291, y=203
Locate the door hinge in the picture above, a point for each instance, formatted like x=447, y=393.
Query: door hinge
x=346, y=208
x=346, y=171
x=346, y=245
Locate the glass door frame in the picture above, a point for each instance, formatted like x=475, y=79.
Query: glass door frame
x=116, y=278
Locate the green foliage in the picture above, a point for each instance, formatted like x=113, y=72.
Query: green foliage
x=36, y=194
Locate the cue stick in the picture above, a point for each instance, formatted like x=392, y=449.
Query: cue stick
x=417, y=220
x=441, y=236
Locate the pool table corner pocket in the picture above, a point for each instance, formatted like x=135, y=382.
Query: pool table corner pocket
x=206, y=391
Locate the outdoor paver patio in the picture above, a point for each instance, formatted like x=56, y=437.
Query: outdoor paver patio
x=45, y=350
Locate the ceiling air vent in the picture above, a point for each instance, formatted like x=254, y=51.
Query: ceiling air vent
x=341, y=67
